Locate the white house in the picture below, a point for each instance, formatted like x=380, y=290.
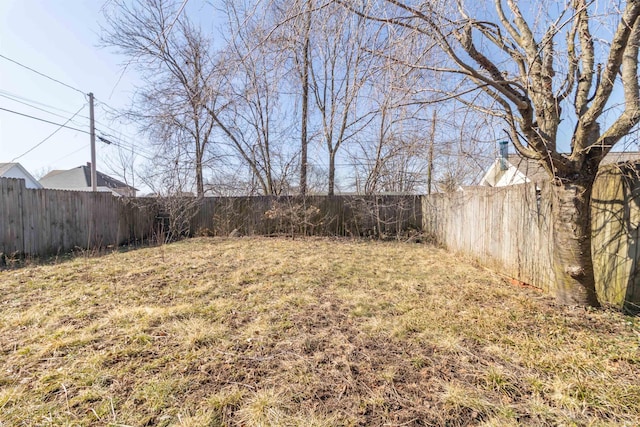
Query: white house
x=15, y=170
x=514, y=169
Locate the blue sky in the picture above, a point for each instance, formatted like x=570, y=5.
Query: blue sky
x=61, y=39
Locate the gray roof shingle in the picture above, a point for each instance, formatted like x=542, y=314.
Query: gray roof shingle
x=536, y=173
x=80, y=177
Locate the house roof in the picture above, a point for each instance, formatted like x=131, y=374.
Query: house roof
x=80, y=177
x=529, y=168
x=621, y=157
x=536, y=173
x=5, y=168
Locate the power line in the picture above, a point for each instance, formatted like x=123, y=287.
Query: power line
x=100, y=102
x=124, y=147
x=119, y=142
x=105, y=137
x=42, y=74
x=116, y=111
x=66, y=85
x=9, y=94
x=64, y=125
x=138, y=153
x=47, y=138
x=46, y=121
x=15, y=97
x=39, y=108
x=123, y=136
x=22, y=100
x=71, y=153
x=103, y=104
x=131, y=147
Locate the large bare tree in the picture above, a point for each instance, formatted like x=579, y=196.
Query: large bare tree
x=174, y=58
x=542, y=67
x=301, y=13
x=256, y=118
x=339, y=69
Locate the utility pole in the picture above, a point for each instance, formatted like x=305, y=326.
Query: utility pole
x=92, y=132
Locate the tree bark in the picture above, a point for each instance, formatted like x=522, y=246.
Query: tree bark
x=571, y=239
x=305, y=101
x=332, y=173
x=432, y=141
x=199, y=156
x=199, y=179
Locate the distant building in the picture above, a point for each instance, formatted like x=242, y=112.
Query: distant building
x=79, y=179
x=15, y=170
x=514, y=169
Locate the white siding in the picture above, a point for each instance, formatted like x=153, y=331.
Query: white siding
x=16, y=172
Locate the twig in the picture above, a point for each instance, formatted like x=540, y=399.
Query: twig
x=66, y=396
x=249, y=386
x=512, y=281
x=96, y=414
x=404, y=424
x=113, y=411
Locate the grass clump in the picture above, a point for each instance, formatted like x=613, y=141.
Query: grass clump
x=306, y=332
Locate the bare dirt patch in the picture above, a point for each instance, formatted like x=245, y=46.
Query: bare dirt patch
x=303, y=332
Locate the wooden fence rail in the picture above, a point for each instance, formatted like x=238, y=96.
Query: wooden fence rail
x=615, y=207
x=44, y=222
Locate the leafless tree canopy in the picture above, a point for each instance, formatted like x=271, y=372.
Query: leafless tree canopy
x=552, y=62
x=294, y=96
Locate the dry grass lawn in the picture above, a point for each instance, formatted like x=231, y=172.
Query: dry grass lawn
x=315, y=332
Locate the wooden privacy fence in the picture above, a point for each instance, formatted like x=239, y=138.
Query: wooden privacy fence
x=376, y=216
x=44, y=222
x=505, y=227
x=510, y=230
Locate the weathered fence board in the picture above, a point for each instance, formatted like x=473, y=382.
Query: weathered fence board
x=510, y=229
x=41, y=222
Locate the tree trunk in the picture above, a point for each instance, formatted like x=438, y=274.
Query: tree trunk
x=305, y=102
x=199, y=176
x=572, y=243
x=432, y=141
x=199, y=180
x=332, y=172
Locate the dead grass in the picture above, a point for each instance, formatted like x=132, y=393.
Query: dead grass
x=261, y=332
